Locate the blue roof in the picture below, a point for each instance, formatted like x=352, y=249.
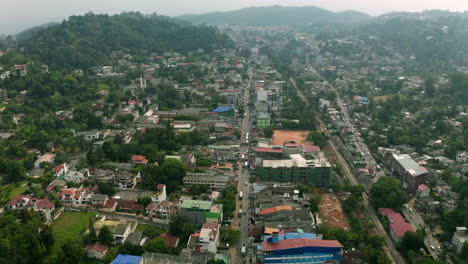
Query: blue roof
x=127, y=259
x=222, y=109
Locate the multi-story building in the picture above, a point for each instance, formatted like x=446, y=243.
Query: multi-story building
x=263, y=120
x=408, y=171
x=218, y=182
x=460, y=236
x=209, y=237
x=164, y=210
x=199, y=212
x=301, y=250
x=298, y=170
x=194, y=210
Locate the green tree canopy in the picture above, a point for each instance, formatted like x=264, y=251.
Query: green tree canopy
x=387, y=192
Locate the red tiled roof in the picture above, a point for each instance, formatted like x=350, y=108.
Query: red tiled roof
x=401, y=228
x=17, y=199
x=110, y=203
x=386, y=211
x=300, y=243
x=422, y=187
x=138, y=158
x=276, y=209
x=44, y=204
x=160, y=186
x=268, y=150
x=98, y=247
x=58, y=168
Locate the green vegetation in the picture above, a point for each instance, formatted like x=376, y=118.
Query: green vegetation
x=387, y=192
x=22, y=241
x=87, y=41
x=70, y=225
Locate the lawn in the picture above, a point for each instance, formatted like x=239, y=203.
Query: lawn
x=69, y=225
x=12, y=190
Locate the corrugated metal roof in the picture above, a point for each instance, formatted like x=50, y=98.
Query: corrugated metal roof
x=300, y=243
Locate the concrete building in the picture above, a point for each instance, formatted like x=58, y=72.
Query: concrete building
x=298, y=170
x=301, y=250
x=460, y=236
x=209, y=237
x=408, y=171
x=263, y=120
x=218, y=182
x=194, y=210
x=423, y=191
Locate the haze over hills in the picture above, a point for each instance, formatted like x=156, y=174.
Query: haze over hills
x=279, y=16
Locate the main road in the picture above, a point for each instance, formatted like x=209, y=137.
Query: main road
x=243, y=185
x=391, y=251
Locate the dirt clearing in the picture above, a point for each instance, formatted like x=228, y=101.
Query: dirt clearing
x=332, y=213
x=280, y=136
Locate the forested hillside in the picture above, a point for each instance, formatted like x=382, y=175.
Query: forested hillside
x=278, y=15
x=432, y=37
x=85, y=41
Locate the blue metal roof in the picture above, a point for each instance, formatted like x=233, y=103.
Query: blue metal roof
x=127, y=259
x=293, y=236
x=222, y=109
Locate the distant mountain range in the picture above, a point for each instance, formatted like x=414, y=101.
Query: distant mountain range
x=279, y=16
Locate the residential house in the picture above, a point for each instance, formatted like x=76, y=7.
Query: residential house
x=73, y=176
x=164, y=210
x=121, y=232
x=423, y=191
x=47, y=157
x=96, y=251
x=74, y=196
x=129, y=206
x=138, y=160
x=89, y=135
x=98, y=200
x=61, y=169
x=160, y=194
x=43, y=206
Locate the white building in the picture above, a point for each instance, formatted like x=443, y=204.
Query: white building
x=160, y=194
x=209, y=237
x=460, y=236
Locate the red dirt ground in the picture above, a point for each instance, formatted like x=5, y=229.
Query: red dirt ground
x=332, y=213
x=280, y=136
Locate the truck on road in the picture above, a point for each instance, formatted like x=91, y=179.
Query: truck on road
x=243, y=250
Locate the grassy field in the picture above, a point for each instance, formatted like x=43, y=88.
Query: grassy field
x=12, y=190
x=69, y=226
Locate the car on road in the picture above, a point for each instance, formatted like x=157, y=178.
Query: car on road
x=432, y=247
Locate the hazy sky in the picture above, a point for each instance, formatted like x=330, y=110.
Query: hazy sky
x=17, y=15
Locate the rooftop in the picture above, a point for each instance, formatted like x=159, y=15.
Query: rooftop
x=300, y=243
x=268, y=150
x=409, y=164
x=196, y=204
x=276, y=209
x=127, y=259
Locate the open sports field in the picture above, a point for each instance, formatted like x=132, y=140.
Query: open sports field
x=280, y=136
x=70, y=225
